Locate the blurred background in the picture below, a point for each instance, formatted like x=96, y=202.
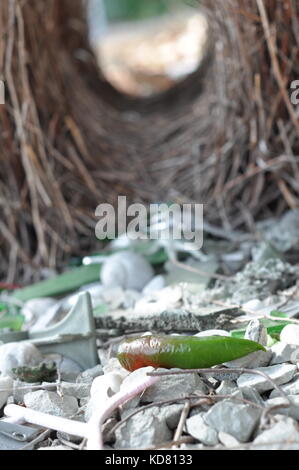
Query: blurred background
x=146, y=47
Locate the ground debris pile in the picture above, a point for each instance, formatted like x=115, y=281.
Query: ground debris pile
x=74, y=392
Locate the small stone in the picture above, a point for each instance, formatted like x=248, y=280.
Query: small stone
x=145, y=429
x=290, y=334
x=171, y=414
x=238, y=394
x=157, y=283
x=6, y=384
x=257, y=332
x=232, y=392
x=252, y=395
x=227, y=387
x=19, y=354
x=280, y=373
x=89, y=375
x=51, y=403
x=77, y=390
x=227, y=374
x=126, y=269
x=251, y=361
x=228, y=440
x=174, y=386
x=292, y=411
x=236, y=419
x=284, y=352
x=68, y=369
x=197, y=428
x=283, y=432
x=291, y=388
x=21, y=388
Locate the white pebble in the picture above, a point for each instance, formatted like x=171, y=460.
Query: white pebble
x=35, y=308
x=18, y=354
x=157, y=283
x=290, y=334
x=128, y=270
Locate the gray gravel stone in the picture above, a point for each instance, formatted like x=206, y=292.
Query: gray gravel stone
x=236, y=419
x=89, y=375
x=252, y=395
x=126, y=269
x=256, y=331
x=145, y=429
x=21, y=388
x=174, y=386
x=6, y=382
x=251, y=361
x=280, y=373
x=157, y=283
x=52, y=403
x=77, y=390
x=228, y=440
x=292, y=411
x=227, y=387
x=283, y=432
x=18, y=354
x=171, y=414
x=284, y=352
x=291, y=388
x=69, y=369
x=197, y=428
